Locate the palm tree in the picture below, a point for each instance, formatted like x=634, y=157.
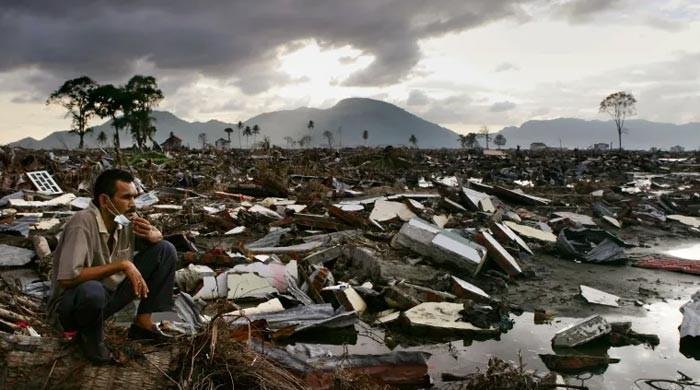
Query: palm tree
x=247, y=132
x=329, y=137
x=413, y=140
x=310, y=127
x=255, y=131
x=240, y=131
x=290, y=141
x=203, y=139
x=228, y=131
x=365, y=136
x=102, y=138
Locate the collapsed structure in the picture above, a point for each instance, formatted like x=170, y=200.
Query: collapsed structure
x=280, y=247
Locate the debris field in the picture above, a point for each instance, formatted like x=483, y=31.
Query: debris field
x=282, y=252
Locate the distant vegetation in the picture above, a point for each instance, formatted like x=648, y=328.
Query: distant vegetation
x=367, y=122
x=129, y=106
x=619, y=106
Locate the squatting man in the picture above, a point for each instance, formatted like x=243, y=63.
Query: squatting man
x=107, y=257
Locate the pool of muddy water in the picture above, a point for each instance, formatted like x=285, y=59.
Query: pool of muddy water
x=466, y=356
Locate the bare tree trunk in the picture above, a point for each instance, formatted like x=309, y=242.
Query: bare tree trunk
x=117, y=146
x=619, y=138
x=156, y=145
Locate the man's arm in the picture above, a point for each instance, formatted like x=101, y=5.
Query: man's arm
x=94, y=273
x=99, y=272
x=144, y=229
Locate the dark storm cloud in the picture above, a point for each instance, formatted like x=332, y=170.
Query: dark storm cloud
x=502, y=106
x=232, y=40
x=417, y=98
x=579, y=11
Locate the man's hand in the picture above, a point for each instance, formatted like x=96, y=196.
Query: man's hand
x=143, y=228
x=137, y=281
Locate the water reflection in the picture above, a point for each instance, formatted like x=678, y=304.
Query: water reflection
x=461, y=357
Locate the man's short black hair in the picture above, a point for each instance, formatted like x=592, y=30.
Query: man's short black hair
x=106, y=183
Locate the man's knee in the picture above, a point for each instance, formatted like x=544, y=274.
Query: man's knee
x=91, y=294
x=167, y=252
x=166, y=248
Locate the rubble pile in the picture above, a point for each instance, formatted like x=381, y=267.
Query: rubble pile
x=504, y=375
x=279, y=250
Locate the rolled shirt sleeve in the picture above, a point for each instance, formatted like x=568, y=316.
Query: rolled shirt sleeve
x=75, y=253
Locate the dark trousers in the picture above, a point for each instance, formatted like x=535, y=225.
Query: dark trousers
x=85, y=306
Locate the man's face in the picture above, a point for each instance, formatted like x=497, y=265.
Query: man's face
x=123, y=199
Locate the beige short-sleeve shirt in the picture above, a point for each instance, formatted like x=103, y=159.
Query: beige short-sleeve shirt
x=84, y=243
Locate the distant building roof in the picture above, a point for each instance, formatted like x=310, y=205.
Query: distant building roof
x=172, y=141
x=172, y=135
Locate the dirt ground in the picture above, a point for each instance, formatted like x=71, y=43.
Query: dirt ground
x=555, y=285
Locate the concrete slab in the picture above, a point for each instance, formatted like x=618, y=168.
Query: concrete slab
x=532, y=233
x=592, y=295
x=588, y=329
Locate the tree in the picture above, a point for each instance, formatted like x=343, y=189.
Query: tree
x=290, y=141
x=365, y=136
x=247, y=132
x=203, y=139
x=413, y=140
x=228, y=131
x=462, y=138
x=143, y=94
x=74, y=96
x=329, y=137
x=240, y=132
x=266, y=143
x=310, y=128
x=255, y=131
x=500, y=140
x=619, y=106
x=468, y=141
x=304, y=141
x=141, y=127
x=484, y=131
x=151, y=131
x=109, y=101
x=101, y=138
x=472, y=142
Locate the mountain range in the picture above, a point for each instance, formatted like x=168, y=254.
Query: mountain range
x=639, y=134
x=388, y=124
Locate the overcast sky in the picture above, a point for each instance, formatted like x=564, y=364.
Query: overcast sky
x=459, y=63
